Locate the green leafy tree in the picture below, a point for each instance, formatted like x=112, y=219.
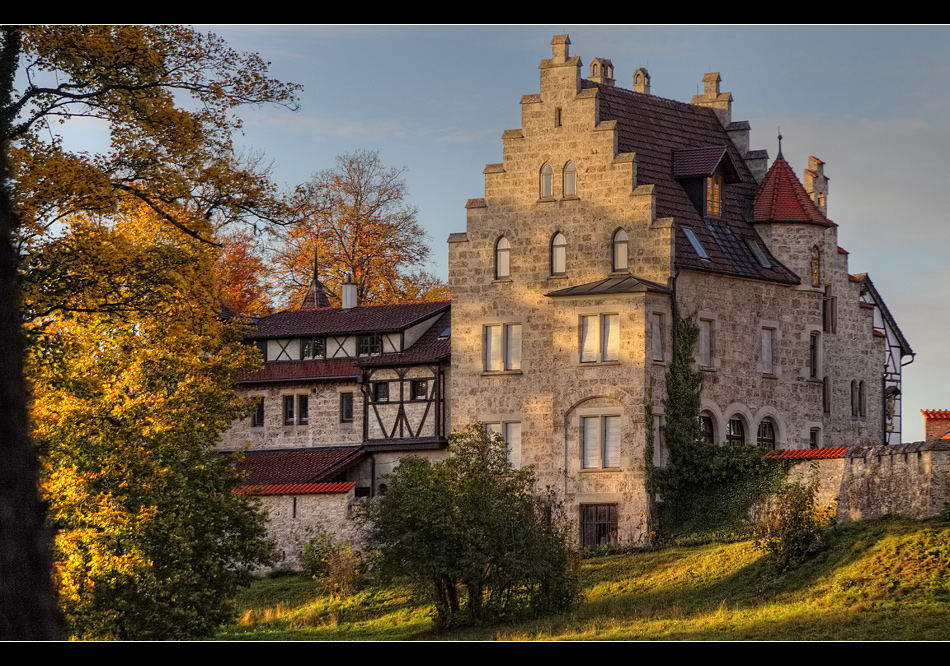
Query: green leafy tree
x=473, y=535
x=163, y=98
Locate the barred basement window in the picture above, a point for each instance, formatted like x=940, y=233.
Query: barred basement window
x=598, y=525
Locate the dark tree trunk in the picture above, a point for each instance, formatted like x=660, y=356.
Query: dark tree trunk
x=27, y=601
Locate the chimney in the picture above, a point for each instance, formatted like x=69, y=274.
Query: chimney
x=936, y=423
x=711, y=98
x=816, y=184
x=349, y=293
x=560, y=49
x=641, y=81
x=602, y=71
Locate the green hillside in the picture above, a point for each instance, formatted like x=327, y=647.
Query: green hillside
x=875, y=580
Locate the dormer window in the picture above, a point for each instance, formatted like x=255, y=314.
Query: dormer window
x=714, y=195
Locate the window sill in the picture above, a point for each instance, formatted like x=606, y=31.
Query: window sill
x=769, y=375
x=496, y=373
x=571, y=197
x=600, y=470
x=590, y=364
x=506, y=280
x=547, y=200
x=558, y=276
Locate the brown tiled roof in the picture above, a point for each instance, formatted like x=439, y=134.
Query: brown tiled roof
x=672, y=140
x=297, y=371
x=297, y=466
x=936, y=413
x=615, y=285
x=433, y=346
x=782, y=198
x=808, y=454
x=337, y=321
x=301, y=488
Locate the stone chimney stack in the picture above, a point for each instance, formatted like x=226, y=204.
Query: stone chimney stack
x=560, y=49
x=711, y=98
x=936, y=423
x=602, y=71
x=348, y=297
x=641, y=81
x=816, y=184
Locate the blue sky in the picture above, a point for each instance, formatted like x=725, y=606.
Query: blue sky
x=872, y=102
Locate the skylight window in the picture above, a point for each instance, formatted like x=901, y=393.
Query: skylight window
x=759, y=254
x=696, y=244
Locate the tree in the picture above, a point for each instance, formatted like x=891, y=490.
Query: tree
x=472, y=523
x=151, y=538
x=355, y=219
x=241, y=274
x=164, y=97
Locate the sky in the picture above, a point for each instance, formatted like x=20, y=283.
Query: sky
x=872, y=102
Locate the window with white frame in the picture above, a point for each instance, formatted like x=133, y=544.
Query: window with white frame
x=558, y=254
x=600, y=442
x=619, y=251
x=502, y=345
x=599, y=338
x=768, y=350
x=502, y=258
x=511, y=432
x=706, y=343
x=547, y=181
x=656, y=334
x=570, y=180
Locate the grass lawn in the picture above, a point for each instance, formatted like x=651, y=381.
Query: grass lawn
x=875, y=580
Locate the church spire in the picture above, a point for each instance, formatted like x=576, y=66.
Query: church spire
x=316, y=296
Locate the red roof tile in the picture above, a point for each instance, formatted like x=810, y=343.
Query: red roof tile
x=297, y=466
x=300, y=488
x=808, y=454
x=936, y=413
x=782, y=198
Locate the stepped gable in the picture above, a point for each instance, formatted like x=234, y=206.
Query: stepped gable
x=674, y=140
x=782, y=198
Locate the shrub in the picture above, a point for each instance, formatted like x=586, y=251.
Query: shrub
x=337, y=563
x=791, y=530
x=472, y=534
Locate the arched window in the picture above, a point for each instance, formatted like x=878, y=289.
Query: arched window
x=735, y=432
x=570, y=180
x=766, y=435
x=547, y=181
x=815, y=267
x=502, y=259
x=619, y=250
x=707, y=428
x=558, y=254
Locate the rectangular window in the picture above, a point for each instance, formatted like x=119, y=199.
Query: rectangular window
x=600, y=338
x=313, y=348
x=656, y=326
x=511, y=432
x=705, y=343
x=381, y=392
x=289, y=410
x=368, y=345
x=829, y=315
x=502, y=344
x=814, y=355
x=714, y=195
x=600, y=441
x=303, y=409
x=346, y=408
x=598, y=525
x=419, y=389
x=257, y=420
x=768, y=341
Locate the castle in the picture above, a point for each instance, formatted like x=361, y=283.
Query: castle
x=611, y=212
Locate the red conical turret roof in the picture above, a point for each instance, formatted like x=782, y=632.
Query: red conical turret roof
x=782, y=198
